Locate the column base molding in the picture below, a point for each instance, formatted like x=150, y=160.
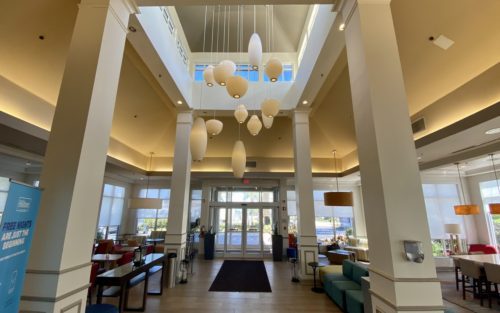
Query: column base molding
x=378, y=307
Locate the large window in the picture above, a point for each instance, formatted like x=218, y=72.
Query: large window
x=153, y=219
x=4, y=189
x=439, y=202
x=113, y=198
x=490, y=194
x=244, y=196
x=330, y=221
x=195, y=205
x=250, y=75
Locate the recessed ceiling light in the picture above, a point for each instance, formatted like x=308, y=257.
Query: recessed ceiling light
x=419, y=158
x=493, y=131
x=342, y=26
x=28, y=163
x=142, y=178
x=305, y=102
x=179, y=102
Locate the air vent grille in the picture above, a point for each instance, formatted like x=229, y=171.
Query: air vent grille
x=418, y=125
x=251, y=164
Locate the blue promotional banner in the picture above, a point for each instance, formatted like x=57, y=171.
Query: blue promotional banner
x=16, y=232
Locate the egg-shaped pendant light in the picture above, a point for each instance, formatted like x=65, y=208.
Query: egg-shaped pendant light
x=255, y=51
x=198, y=139
x=241, y=113
x=214, y=126
x=270, y=107
x=223, y=71
x=254, y=125
x=267, y=121
x=274, y=68
x=236, y=86
x=208, y=75
x=239, y=159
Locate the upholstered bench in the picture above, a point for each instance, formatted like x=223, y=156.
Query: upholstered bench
x=101, y=308
x=336, y=285
x=354, y=301
x=329, y=269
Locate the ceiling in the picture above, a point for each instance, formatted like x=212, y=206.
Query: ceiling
x=145, y=117
x=288, y=22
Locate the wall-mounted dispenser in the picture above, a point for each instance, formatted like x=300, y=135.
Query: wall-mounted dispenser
x=413, y=251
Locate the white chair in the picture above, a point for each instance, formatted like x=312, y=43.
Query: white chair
x=492, y=277
x=472, y=271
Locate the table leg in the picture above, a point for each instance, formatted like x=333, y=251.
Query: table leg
x=316, y=289
x=99, y=294
x=122, y=300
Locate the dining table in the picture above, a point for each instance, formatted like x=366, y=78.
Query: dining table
x=123, y=276
x=480, y=258
x=106, y=260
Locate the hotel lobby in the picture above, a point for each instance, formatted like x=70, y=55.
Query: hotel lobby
x=244, y=156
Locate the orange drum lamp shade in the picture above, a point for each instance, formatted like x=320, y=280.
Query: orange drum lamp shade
x=466, y=209
x=338, y=198
x=494, y=207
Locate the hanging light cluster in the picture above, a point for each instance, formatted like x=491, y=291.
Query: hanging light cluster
x=224, y=73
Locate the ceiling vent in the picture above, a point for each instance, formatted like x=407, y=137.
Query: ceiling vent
x=251, y=164
x=418, y=125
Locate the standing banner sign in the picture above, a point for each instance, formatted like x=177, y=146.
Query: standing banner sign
x=16, y=231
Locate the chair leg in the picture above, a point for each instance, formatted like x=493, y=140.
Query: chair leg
x=480, y=291
x=463, y=286
x=488, y=290
x=456, y=277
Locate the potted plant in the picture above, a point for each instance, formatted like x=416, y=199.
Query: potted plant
x=277, y=244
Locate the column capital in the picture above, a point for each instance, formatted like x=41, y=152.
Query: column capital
x=185, y=117
x=301, y=116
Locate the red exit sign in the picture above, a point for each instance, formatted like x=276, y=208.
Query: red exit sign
x=246, y=181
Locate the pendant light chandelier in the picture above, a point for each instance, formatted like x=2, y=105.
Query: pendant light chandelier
x=198, y=139
x=270, y=107
x=274, y=68
x=464, y=209
x=213, y=126
x=146, y=203
x=236, y=85
x=494, y=207
x=254, y=125
x=267, y=121
x=337, y=198
x=239, y=157
x=241, y=113
x=255, y=46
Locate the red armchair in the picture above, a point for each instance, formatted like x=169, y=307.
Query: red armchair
x=477, y=248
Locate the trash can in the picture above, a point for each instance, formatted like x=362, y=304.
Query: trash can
x=171, y=270
x=209, y=246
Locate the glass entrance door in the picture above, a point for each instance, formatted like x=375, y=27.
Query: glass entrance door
x=253, y=231
x=242, y=231
x=234, y=230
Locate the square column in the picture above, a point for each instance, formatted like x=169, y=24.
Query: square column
x=175, y=240
x=392, y=192
x=58, y=271
x=307, y=242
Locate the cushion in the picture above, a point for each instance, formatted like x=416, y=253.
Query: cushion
x=338, y=289
x=347, y=268
x=329, y=270
x=354, y=301
x=358, y=271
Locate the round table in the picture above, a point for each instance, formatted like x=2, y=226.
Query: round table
x=314, y=266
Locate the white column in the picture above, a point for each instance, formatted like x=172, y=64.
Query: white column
x=308, y=247
x=283, y=212
x=175, y=240
x=392, y=192
x=59, y=265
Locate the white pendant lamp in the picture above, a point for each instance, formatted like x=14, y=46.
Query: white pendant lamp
x=274, y=68
x=208, y=75
x=223, y=71
x=267, y=121
x=270, y=107
x=214, y=127
x=255, y=51
x=239, y=159
x=241, y=113
x=254, y=125
x=198, y=139
x=236, y=86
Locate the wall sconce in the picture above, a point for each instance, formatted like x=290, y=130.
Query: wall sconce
x=413, y=251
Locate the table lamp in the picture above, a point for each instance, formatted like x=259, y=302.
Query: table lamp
x=454, y=230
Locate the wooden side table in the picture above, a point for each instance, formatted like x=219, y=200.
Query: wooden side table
x=337, y=257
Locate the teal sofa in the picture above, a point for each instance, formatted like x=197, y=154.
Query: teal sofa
x=345, y=288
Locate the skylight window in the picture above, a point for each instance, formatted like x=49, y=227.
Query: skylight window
x=243, y=71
